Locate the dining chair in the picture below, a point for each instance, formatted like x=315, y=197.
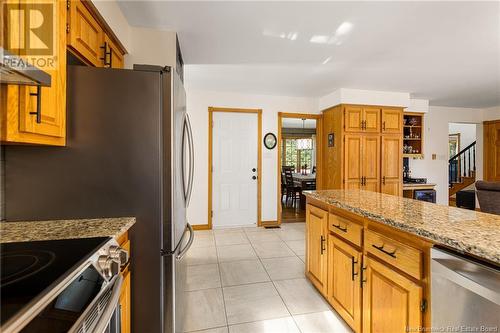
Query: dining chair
x=291, y=190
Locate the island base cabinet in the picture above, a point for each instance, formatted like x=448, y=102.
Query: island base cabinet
x=391, y=302
x=344, y=289
x=316, y=261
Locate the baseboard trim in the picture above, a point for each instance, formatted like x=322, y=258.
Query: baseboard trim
x=201, y=227
x=269, y=223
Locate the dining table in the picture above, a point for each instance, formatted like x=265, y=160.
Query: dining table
x=305, y=182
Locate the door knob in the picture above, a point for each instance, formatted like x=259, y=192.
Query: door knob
x=254, y=177
x=253, y=169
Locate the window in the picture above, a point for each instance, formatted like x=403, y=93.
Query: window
x=292, y=156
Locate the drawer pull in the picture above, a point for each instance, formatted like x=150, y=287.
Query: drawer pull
x=339, y=227
x=381, y=249
x=362, y=280
x=38, y=112
x=353, y=262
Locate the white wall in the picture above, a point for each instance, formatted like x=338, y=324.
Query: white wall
x=367, y=97
x=113, y=15
x=436, y=142
x=491, y=113
x=152, y=47
x=197, y=107
x=467, y=133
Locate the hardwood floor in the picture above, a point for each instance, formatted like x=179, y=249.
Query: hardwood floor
x=292, y=214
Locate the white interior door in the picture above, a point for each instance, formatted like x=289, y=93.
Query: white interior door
x=234, y=172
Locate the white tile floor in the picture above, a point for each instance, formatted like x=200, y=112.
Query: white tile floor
x=251, y=280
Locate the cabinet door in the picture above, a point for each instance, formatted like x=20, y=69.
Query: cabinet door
x=19, y=104
x=352, y=161
x=392, y=121
x=125, y=302
x=491, y=151
x=371, y=118
x=370, y=165
x=317, y=229
x=392, y=174
x=391, y=302
x=85, y=34
x=344, y=289
x=353, y=116
x=115, y=56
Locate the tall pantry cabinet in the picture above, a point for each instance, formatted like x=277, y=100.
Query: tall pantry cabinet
x=363, y=148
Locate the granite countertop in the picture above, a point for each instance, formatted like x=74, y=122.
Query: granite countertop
x=466, y=231
x=410, y=185
x=63, y=229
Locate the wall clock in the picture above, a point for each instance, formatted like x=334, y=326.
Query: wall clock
x=270, y=140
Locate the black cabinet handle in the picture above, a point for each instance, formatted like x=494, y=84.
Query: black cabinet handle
x=38, y=112
x=383, y=180
x=362, y=280
x=353, y=262
x=381, y=249
x=383, y=125
x=339, y=227
x=104, y=58
x=322, y=243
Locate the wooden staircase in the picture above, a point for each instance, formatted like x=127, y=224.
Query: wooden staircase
x=462, y=170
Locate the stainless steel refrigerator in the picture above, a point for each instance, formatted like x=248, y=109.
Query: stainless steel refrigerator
x=129, y=153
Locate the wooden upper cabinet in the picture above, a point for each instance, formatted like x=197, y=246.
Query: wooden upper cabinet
x=392, y=174
x=370, y=165
x=20, y=104
x=371, y=118
x=352, y=161
x=353, y=117
x=344, y=288
x=491, y=150
x=114, y=57
x=391, y=302
x=85, y=34
x=90, y=38
x=392, y=121
x=316, y=243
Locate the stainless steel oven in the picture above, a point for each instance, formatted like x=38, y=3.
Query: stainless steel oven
x=82, y=299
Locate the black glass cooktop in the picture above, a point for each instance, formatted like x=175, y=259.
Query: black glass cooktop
x=30, y=269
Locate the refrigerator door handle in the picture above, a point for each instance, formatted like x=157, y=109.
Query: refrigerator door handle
x=191, y=160
x=183, y=252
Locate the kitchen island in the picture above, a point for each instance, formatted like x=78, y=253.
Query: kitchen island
x=369, y=253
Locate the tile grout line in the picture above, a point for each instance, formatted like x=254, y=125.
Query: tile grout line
x=221, y=287
x=274, y=285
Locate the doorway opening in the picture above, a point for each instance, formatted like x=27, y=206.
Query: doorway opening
x=234, y=167
x=462, y=164
x=299, y=157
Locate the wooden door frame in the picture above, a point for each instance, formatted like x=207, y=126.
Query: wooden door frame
x=211, y=111
x=319, y=152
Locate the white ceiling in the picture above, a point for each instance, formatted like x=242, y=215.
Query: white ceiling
x=447, y=52
x=298, y=123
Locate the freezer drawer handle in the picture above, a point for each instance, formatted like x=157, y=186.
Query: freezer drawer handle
x=183, y=252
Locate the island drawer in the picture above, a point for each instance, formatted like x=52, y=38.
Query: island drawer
x=346, y=229
x=402, y=256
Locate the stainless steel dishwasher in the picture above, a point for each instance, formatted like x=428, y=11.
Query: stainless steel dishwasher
x=465, y=294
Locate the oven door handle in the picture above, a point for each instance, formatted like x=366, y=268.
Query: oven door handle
x=108, y=312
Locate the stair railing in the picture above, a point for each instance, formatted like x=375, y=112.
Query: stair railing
x=462, y=164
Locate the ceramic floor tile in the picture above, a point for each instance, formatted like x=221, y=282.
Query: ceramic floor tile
x=279, y=325
x=297, y=246
x=253, y=302
x=201, y=256
x=214, y=330
x=242, y=272
x=326, y=321
x=284, y=268
x=231, y=238
x=204, y=309
x=272, y=250
x=202, y=277
x=235, y=252
x=300, y=296
x=298, y=226
x=256, y=237
x=221, y=231
x=290, y=234
x=203, y=240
